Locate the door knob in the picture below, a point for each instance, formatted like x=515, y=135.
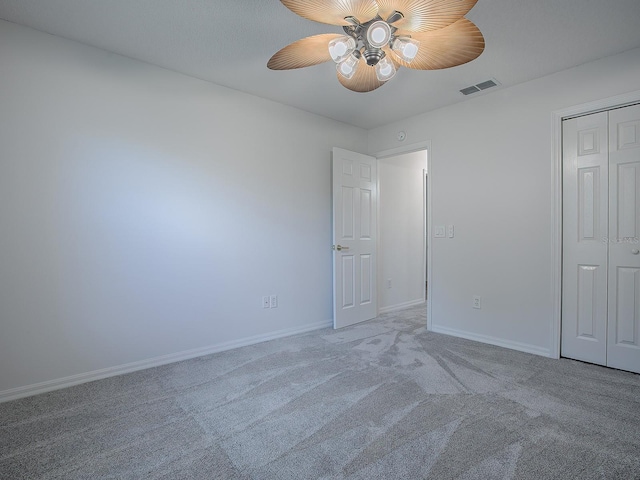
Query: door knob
x=635, y=251
x=339, y=248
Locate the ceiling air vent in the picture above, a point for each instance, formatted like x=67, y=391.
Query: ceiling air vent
x=480, y=86
x=469, y=90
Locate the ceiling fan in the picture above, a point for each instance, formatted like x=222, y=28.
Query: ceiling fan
x=381, y=36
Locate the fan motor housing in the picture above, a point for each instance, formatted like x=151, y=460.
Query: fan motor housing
x=373, y=56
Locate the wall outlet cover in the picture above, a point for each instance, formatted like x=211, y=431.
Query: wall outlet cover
x=477, y=301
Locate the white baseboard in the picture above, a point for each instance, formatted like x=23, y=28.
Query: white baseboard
x=57, y=384
x=401, y=306
x=500, y=342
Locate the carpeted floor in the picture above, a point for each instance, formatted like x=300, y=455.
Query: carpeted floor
x=381, y=400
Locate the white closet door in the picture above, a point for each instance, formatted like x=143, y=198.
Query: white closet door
x=585, y=201
x=623, y=345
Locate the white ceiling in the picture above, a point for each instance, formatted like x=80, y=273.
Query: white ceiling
x=229, y=42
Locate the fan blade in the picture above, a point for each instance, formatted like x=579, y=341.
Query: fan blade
x=333, y=12
x=364, y=80
x=425, y=15
x=448, y=47
x=303, y=53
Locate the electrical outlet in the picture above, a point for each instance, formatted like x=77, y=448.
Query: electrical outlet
x=273, y=301
x=265, y=302
x=450, y=231
x=388, y=283
x=477, y=301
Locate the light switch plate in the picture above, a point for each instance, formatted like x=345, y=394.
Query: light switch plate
x=439, y=231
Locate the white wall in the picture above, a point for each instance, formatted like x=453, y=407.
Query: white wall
x=144, y=213
x=490, y=168
x=401, y=241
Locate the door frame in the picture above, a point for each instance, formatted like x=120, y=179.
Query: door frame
x=404, y=149
x=556, y=199
x=425, y=232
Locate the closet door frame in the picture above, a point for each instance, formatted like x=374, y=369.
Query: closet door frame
x=556, y=199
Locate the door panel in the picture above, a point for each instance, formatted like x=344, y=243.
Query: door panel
x=623, y=349
x=585, y=191
x=588, y=276
x=589, y=197
x=354, y=222
x=366, y=287
x=348, y=281
x=627, y=307
x=366, y=212
x=348, y=214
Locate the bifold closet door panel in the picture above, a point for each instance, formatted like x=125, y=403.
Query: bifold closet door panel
x=585, y=212
x=623, y=344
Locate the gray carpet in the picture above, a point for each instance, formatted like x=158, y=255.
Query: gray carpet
x=384, y=399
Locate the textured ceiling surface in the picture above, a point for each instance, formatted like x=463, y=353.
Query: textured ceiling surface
x=228, y=42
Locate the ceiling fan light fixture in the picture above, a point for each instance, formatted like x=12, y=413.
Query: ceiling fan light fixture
x=406, y=48
x=340, y=48
x=347, y=68
x=385, y=70
x=378, y=34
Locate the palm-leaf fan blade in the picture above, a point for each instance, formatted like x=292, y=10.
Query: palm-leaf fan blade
x=303, y=53
x=448, y=47
x=333, y=12
x=425, y=15
x=363, y=80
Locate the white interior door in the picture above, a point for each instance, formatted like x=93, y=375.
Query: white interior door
x=354, y=237
x=585, y=201
x=623, y=346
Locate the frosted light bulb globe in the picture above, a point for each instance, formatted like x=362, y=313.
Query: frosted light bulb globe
x=378, y=34
x=405, y=48
x=347, y=68
x=340, y=48
x=410, y=50
x=385, y=70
